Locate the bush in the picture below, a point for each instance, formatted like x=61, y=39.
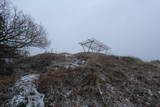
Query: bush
x=5, y=83
x=38, y=62
x=6, y=68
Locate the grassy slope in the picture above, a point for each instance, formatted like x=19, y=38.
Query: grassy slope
x=104, y=81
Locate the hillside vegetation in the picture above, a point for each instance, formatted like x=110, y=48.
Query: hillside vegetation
x=93, y=80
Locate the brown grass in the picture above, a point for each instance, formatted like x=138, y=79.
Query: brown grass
x=103, y=81
x=5, y=83
x=38, y=63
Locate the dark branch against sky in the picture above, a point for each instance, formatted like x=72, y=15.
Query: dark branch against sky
x=129, y=27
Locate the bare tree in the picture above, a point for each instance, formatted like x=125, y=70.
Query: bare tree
x=18, y=30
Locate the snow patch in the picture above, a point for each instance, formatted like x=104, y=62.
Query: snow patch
x=75, y=63
x=67, y=55
x=26, y=92
x=71, y=62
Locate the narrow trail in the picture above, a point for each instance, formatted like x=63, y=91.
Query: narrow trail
x=24, y=90
x=26, y=93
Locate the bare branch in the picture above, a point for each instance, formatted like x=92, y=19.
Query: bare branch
x=19, y=30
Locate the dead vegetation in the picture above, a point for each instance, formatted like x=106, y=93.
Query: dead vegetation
x=7, y=79
x=100, y=81
x=38, y=63
x=103, y=81
x=5, y=83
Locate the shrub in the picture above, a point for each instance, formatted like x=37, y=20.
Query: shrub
x=6, y=68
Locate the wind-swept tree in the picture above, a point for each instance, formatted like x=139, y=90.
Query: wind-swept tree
x=18, y=30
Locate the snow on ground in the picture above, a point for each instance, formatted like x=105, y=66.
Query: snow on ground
x=75, y=63
x=71, y=62
x=26, y=92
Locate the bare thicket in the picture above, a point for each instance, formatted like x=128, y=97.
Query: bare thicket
x=18, y=31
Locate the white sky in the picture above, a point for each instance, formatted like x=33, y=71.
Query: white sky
x=129, y=27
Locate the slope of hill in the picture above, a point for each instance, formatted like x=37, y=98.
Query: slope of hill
x=93, y=80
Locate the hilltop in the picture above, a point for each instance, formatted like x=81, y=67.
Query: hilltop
x=89, y=80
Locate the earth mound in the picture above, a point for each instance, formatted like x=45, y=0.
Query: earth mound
x=90, y=80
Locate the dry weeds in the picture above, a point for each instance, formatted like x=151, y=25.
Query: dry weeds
x=103, y=81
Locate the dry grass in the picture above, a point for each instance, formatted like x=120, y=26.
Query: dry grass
x=7, y=79
x=103, y=81
x=5, y=83
x=37, y=63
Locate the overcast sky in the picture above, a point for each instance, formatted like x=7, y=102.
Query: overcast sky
x=129, y=27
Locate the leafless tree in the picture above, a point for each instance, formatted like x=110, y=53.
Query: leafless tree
x=18, y=30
